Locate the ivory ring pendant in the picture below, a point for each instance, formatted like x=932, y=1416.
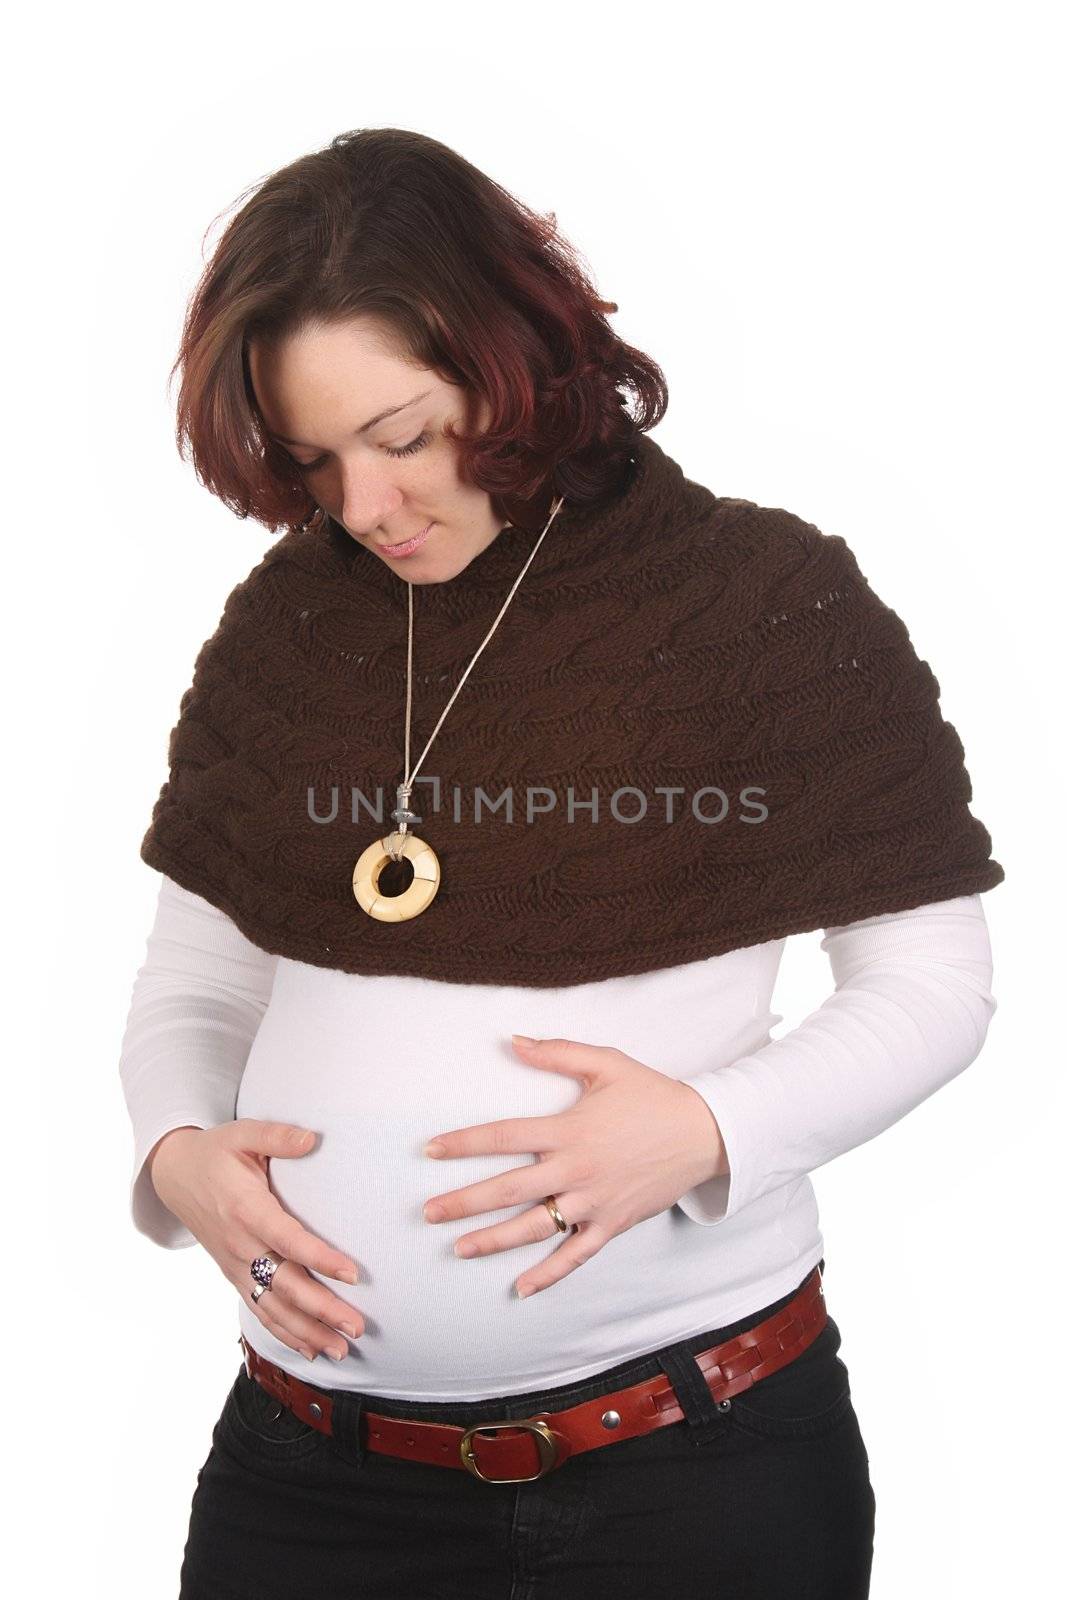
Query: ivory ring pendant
x=419, y=892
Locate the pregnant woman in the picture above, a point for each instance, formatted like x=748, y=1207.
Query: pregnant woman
x=495, y=796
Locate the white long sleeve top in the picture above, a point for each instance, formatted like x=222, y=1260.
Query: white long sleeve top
x=218, y=1028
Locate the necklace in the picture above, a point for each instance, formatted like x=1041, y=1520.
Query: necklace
x=400, y=845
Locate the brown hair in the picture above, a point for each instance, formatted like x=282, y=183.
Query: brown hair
x=388, y=224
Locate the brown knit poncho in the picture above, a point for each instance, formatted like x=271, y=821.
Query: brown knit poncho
x=695, y=728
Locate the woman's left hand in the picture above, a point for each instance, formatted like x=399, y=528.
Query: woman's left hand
x=635, y=1141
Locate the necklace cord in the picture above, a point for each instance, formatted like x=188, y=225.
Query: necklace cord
x=409, y=775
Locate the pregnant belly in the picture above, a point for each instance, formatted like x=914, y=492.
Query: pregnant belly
x=375, y=1078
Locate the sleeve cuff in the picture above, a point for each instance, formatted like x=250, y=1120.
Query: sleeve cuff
x=716, y=1198
x=150, y=1216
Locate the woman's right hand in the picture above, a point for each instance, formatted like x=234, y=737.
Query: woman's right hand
x=215, y=1181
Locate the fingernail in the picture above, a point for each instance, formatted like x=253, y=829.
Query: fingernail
x=522, y=1038
x=308, y=1352
x=346, y=1327
x=337, y=1355
x=350, y=1275
x=434, y=1148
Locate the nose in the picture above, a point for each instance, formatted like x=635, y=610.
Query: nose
x=368, y=499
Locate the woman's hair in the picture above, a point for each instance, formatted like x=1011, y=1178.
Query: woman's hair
x=460, y=277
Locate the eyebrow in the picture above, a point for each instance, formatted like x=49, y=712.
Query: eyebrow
x=391, y=411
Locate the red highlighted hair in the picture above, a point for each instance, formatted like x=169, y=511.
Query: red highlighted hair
x=390, y=225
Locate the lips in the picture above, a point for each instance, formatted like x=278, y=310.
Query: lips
x=406, y=546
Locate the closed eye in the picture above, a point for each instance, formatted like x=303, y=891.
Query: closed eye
x=404, y=450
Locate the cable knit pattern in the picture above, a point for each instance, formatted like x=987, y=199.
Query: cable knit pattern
x=671, y=638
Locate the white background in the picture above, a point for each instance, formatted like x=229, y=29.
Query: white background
x=837, y=228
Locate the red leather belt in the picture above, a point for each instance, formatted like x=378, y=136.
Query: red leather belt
x=505, y=1451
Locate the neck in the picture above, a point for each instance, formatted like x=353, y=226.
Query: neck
x=579, y=540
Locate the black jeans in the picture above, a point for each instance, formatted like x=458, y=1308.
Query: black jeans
x=770, y=1498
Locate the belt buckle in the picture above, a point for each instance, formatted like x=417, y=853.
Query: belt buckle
x=544, y=1438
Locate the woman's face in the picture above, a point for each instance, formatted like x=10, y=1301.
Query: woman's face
x=384, y=481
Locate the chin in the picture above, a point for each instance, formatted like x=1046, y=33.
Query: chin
x=413, y=572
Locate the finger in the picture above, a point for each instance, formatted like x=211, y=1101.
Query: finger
x=277, y=1329
x=509, y=1136
x=296, y=1243
x=573, y=1057
x=516, y=1187
x=304, y=1332
x=326, y=1312
x=579, y=1248
x=280, y=1331
x=534, y=1226
x=284, y=1139
x=292, y=1281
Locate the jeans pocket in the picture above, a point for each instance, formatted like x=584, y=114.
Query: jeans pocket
x=805, y=1399
x=264, y=1426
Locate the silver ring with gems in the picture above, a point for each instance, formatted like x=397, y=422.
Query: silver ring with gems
x=263, y=1269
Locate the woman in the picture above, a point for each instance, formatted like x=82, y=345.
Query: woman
x=648, y=732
